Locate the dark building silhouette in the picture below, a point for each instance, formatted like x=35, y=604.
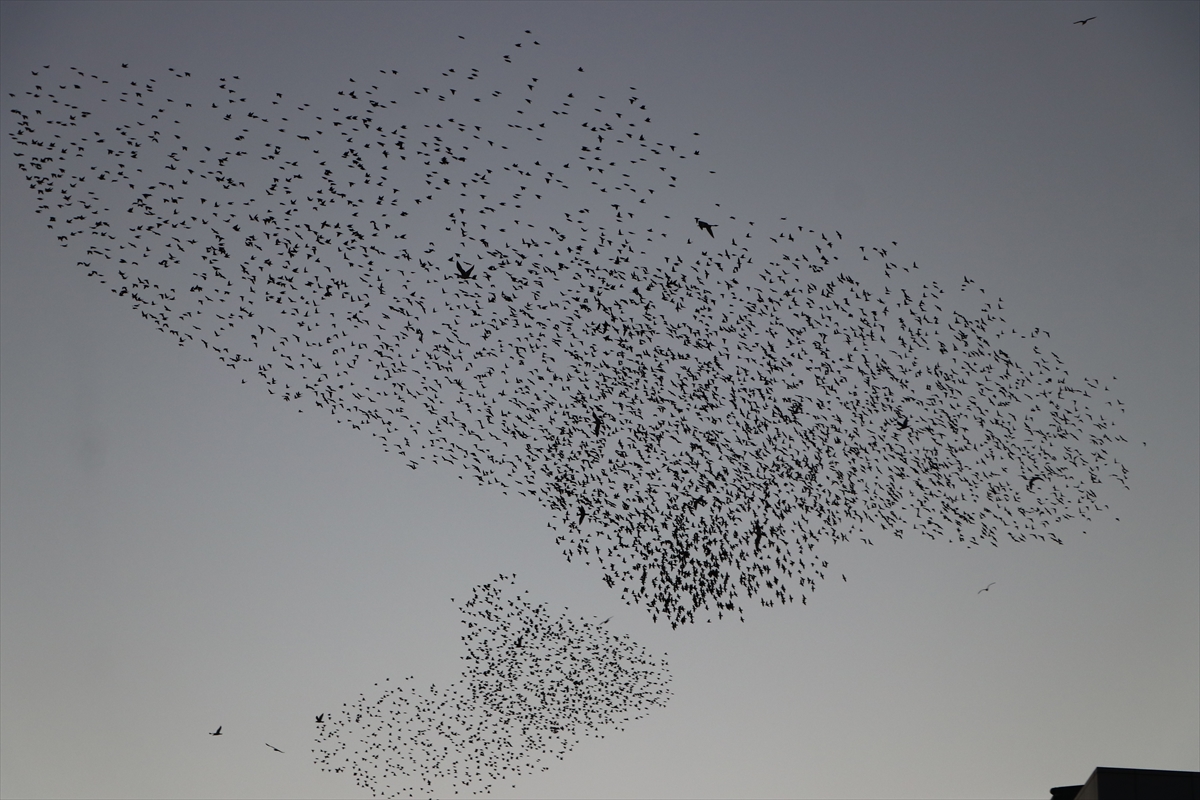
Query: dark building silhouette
x=1116, y=783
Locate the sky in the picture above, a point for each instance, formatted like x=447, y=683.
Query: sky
x=179, y=550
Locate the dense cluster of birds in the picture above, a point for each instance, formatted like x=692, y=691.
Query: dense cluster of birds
x=534, y=684
x=704, y=403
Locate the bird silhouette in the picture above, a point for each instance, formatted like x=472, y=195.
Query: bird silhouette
x=704, y=226
x=273, y=747
x=1083, y=21
x=984, y=589
x=217, y=732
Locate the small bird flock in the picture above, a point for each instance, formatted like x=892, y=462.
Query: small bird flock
x=533, y=685
x=490, y=270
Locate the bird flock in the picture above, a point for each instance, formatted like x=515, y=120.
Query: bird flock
x=700, y=414
x=533, y=685
x=705, y=404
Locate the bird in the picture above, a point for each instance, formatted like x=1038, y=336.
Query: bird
x=217, y=732
x=984, y=589
x=320, y=718
x=1029, y=486
x=273, y=747
x=1083, y=21
x=464, y=274
x=704, y=226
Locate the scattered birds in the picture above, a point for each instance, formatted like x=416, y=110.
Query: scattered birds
x=513, y=708
x=704, y=422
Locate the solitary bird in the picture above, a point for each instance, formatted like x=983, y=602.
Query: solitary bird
x=273, y=747
x=984, y=589
x=217, y=732
x=704, y=226
x=1083, y=21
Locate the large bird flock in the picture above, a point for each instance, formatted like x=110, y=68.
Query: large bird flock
x=488, y=269
x=533, y=685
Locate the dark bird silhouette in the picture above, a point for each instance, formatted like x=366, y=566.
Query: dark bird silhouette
x=1029, y=486
x=273, y=747
x=1083, y=21
x=984, y=589
x=217, y=732
x=464, y=274
x=704, y=226
x=320, y=718
x=599, y=423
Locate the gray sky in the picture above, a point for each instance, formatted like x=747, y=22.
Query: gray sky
x=182, y=551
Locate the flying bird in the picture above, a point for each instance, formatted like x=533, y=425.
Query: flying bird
x=1083, y=21
x=704, y=226
x=273, y=747
x=217, y=732
x=984, y=589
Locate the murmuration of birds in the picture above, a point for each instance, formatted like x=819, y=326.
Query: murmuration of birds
x=534, y=684
x=489, y=270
